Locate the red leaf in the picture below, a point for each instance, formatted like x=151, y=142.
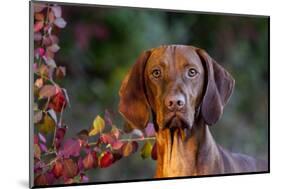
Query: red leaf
x=59, y=137
x=50, y=177
x=44, y=179
x=106, y=159
x=57, y=169
x=36, y=139
x=39, y=52
x=71, y=147
x=154, y=152
x=95, y=158
x=58, y=102
x=88, y=161
x=41, y=180
x=116, y=145
x=70, y=168
x=38, y=26
x=116, y=157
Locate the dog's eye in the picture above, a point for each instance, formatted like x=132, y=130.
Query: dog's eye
x=156, y=73
x=192, y=72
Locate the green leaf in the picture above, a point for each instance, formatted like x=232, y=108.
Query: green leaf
x=97, y=127
x=146, y=150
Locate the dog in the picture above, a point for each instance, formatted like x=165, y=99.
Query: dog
x=184, y=91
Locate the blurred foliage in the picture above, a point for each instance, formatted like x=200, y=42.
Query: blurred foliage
x=101, y=44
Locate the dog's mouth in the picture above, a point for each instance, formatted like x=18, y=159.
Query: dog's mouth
x=176, y=122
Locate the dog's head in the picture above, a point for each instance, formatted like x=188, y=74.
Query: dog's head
x=176, y=84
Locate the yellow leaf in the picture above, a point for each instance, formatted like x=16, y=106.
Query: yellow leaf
x=47, y=126
x=146, y=150
x=98, y=126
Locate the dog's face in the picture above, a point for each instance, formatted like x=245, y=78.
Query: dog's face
x=176, y=84
x=174, y=81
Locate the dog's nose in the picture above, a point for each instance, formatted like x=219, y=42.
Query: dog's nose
x=175, y=102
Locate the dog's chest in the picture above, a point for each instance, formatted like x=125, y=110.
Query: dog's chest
x=176, y=157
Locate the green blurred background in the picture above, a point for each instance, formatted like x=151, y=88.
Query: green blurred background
x=99, y=45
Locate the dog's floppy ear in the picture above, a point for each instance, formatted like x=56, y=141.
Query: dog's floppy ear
x=133, y=104
x=219, y=87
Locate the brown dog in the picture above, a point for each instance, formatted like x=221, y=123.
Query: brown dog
x=184, y=90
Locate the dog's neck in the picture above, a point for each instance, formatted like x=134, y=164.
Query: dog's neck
x=196, y=155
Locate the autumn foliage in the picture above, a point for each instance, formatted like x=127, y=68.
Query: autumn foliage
x=61, y=160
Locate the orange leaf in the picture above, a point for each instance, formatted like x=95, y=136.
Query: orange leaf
x=57, y=169
x=47, y=91
x=70, y=168
x=39, y=83
x=88, y=161
x=129, y=148
x=39, y=16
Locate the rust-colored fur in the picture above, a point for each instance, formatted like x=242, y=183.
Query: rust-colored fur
x=184, y=90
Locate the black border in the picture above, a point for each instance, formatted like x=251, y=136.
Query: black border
x=31, y=176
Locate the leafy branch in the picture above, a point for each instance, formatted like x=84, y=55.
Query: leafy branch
x=67, y=160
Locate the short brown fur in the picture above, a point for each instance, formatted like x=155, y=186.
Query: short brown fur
x=183, y=105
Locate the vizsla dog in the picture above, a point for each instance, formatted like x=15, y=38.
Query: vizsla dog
x=183, y=90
